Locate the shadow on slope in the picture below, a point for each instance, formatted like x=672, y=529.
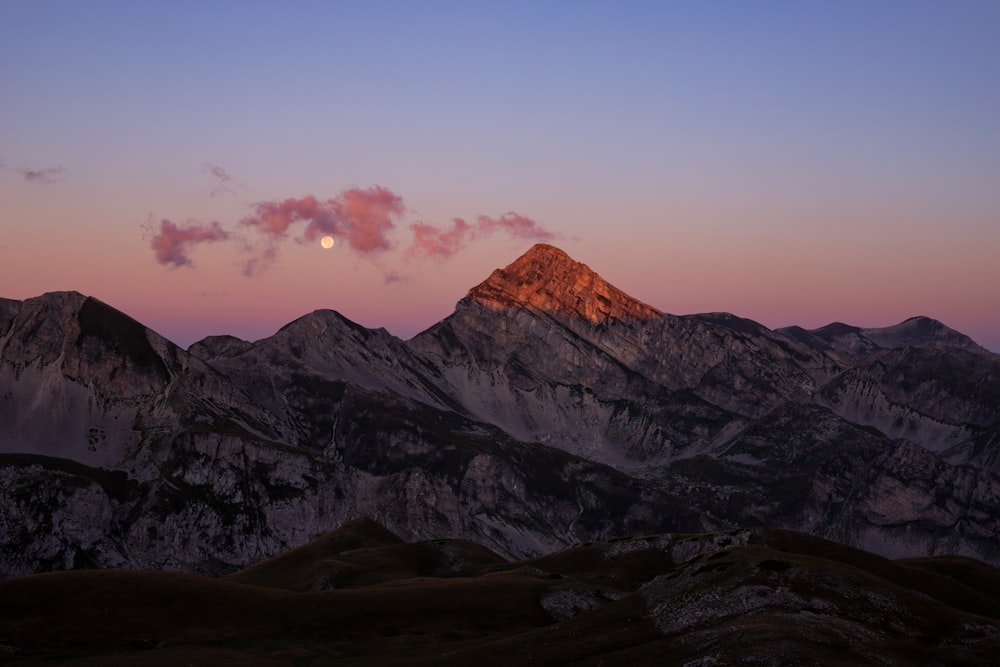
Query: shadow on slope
x=727, y=597
x=363, y=553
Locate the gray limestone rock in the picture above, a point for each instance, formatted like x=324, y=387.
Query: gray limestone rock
x=550, y=408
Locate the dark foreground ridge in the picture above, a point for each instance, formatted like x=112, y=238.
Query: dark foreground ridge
x=362, y=596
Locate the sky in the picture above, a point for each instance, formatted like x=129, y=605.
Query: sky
x=791, y=162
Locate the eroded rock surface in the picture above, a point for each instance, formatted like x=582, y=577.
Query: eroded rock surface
x=550, y=408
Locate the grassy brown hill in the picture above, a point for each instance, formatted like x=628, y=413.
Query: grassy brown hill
x=759, y=595
x=362, y=553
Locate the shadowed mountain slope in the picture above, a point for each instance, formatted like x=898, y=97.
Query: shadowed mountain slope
x=711, y=598
x=849, y=340
x=362, y=553
x=549, y=409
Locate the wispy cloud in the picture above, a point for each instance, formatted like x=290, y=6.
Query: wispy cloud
x=47, y=175
x=172, y=243
x=393, y=277
x=516, y=225
x=222, y=178
x=433, y=241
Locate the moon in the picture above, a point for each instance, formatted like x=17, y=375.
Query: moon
x=327, y=242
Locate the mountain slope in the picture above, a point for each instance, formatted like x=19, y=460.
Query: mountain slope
x=945, y=399
x=854, y=341
x=550, y=408
x=704, y=598
x=86, y=382
x=679, y=399
x=219, y=465
x=546, y=349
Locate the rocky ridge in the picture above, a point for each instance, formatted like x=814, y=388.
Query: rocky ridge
x=547, y=280
x=550, y=408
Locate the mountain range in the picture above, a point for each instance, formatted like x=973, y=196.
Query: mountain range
x=550, y=409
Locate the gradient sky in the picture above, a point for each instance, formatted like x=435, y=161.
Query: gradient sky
x=791, y=162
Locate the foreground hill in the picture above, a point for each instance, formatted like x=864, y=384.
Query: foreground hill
x=549, y=409
x=710, y=598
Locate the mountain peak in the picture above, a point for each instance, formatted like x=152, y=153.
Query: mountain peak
x=918, y=331
x=547, y=279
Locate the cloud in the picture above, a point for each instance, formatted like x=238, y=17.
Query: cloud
x=361, y=217
x=262, y=258
x=516, y=225
x=365, y=215
x=172, y=243
x=222, y=176
x=275, y=217
x=431, y=241
x=393, y=277
x=49, y=175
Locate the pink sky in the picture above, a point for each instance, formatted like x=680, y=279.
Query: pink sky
x=799, y=166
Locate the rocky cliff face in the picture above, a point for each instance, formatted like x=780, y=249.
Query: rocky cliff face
x=127, y=451
x=547, y=280
x=945, y=399
x=550, y=408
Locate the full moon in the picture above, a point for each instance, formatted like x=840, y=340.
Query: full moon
x=326, y=242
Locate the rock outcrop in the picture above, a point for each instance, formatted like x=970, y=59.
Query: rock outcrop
x=547, y=280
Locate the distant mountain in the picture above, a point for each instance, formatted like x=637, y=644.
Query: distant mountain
x=853, y=341
x=360, y=595
x=549, y=409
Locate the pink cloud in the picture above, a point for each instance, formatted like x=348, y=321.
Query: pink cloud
x=431, y=241
x=361, y=217
x=275, y=217
x=172, y=243
x=49, y=175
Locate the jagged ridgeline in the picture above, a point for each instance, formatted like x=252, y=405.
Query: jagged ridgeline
x=549, y=409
